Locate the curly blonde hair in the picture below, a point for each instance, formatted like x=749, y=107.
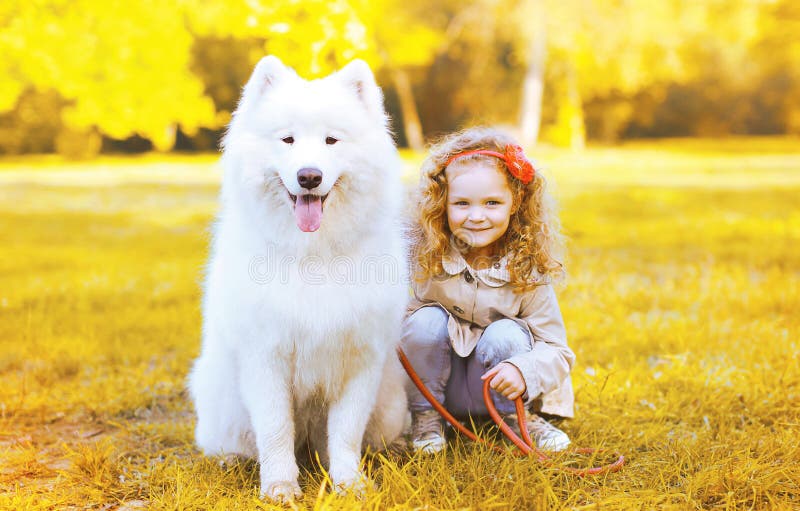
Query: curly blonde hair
x=533, y=240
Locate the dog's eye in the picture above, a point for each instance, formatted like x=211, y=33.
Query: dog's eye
x=331, y=140
x=288, y=140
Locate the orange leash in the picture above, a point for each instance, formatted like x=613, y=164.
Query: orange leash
x=525, y=444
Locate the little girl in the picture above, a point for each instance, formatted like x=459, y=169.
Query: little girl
x=483, y=261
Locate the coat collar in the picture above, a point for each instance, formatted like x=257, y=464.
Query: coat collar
x=496, y=275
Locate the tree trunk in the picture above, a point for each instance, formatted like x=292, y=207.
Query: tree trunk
x=577, y=128
x=408, y=109
x=533, y=83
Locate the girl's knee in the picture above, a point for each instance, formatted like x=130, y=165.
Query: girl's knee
x=501, y=340
x=426, y=327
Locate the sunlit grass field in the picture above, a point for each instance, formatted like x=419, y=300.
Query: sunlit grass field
x=682, y=304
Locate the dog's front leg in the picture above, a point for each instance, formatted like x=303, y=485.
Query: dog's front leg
x=265, y=385
x=347, y=421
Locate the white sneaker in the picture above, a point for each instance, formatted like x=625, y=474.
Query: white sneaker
x=427, y=432
x=546, y=436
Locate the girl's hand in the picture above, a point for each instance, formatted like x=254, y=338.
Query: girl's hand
x=506, y=379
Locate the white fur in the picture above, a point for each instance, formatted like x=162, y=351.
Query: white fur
x=299, y=329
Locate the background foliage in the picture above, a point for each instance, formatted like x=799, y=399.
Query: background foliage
x=83, y=76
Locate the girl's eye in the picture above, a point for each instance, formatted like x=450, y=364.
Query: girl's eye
x=288, y=140
x=331, y=140
x=493, y=203
x=461, y=203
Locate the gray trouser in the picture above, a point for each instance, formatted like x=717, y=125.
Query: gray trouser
x=456, y=381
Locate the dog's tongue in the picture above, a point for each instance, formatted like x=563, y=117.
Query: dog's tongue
x=308, y=212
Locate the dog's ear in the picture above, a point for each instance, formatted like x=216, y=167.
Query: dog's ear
x=268, y=72
x=358, y=76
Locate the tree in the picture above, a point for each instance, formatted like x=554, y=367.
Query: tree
x=404, y=35
x=122, y=67
x=533, y=84
x=592, y=47
x=312, y=36
x=126, y=68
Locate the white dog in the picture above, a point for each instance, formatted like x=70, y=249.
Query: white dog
x=306, y=283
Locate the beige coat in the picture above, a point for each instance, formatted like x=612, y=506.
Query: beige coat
x=476, y=298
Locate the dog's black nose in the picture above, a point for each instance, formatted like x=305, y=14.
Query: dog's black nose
x=309, y=178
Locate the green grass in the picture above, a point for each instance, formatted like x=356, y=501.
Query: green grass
x=681, y=304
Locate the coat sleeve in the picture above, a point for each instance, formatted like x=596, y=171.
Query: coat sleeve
x=550, y=360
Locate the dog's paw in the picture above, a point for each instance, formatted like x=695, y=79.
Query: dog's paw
x=281, y=491
x=357, y=486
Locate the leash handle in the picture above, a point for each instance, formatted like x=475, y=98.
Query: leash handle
x=525, y=445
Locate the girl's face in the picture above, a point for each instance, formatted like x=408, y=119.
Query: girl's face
x=479, y=204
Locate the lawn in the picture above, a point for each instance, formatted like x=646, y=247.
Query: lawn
x=682, y=305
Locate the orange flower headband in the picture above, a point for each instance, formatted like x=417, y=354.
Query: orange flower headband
x=516, y=162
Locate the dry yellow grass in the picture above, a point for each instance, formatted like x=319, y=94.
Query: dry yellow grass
x=682, y=306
